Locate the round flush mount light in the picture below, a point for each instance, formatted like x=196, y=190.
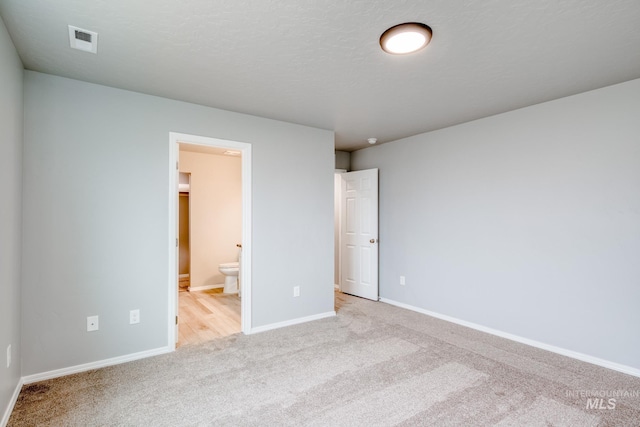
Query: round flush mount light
x=372, y=140
x=405, y=38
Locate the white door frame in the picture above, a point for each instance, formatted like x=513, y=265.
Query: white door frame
x=245, y=148
x=337, y=218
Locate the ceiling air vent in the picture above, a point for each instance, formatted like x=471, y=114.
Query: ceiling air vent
x=83, y=39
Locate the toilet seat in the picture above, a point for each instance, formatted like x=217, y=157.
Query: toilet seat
x=230, y=265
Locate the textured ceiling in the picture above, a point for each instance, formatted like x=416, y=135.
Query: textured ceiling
x=318, y=63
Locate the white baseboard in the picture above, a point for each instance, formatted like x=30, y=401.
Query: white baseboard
x=564, y=352
x=291, y=322
x=205, y=287
x=94, y=365
x=12, y=403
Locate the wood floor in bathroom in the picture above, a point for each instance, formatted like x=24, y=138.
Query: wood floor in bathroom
x=206, y=315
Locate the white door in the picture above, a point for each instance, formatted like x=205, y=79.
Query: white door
x=359, y=234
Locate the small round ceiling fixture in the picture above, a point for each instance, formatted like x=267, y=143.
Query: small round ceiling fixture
x=405, y=38
x=372, y=140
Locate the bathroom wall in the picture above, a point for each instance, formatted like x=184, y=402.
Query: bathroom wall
x=11, y=143
x=526, y=222
x=85, y=255
x=216, y=213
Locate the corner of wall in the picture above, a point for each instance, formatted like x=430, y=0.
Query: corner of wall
x=343, y=160
x=11, y=171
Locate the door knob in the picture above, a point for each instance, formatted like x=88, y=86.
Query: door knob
x=372, y=241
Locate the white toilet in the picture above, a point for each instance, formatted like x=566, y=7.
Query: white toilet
x=230, y=271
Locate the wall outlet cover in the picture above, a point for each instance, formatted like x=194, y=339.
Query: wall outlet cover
x=134, y=317
x=92, y=323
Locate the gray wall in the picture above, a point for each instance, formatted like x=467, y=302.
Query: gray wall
x=343, y=160
x=86, y=255
x=526, y=222
x=11, y=119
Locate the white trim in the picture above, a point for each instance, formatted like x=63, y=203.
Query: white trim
x=564, y=352
x=292, y=322
x=245, y=149
x=12, y=403
x=205, y=287
x=95, y=365
x=173, y=225
x=245, y=272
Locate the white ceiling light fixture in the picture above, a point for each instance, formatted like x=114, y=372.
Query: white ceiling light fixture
x=372, y=140
x=406, y=38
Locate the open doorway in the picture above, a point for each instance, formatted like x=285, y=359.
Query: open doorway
x=337, y=225
x=203, y=304
x=184, y=231
x=209, y=242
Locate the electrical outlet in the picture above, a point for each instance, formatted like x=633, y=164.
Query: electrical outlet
x=296, y=291
x=402, y=281
x=8, y=355
x=92, y=323
x=134, y=317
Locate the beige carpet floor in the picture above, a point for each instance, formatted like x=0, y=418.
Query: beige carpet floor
x=372, y=365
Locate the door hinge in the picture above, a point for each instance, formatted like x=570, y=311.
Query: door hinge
x=176, y=320
x=177, y=242
x=177, y=168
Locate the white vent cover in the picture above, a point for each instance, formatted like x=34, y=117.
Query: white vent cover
x=83, y=39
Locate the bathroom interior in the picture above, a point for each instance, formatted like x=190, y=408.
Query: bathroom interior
x=210, y=233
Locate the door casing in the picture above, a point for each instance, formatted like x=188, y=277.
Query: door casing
x=245, y=305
